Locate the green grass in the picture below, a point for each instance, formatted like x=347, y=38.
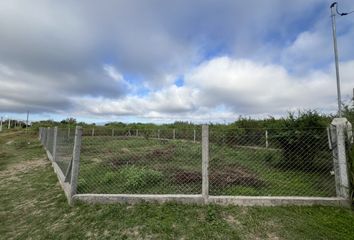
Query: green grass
x=33, y=206
x=103, y=156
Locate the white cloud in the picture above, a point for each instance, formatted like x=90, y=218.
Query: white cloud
x=237, y=87
x=69, y=56
x=249, y=87
x=113, y=73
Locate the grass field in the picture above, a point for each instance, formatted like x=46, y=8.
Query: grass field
x=33, y=206
x=148, y=165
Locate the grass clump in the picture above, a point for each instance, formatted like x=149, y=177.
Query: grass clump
x=137, y=178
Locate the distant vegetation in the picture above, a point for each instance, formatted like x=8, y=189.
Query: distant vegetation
x=302, y=119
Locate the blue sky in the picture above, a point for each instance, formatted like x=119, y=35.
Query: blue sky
x=161, y=61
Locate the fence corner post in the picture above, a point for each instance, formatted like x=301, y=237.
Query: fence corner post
x=266, y=139
x=75, y=163
x=339, y=128
x=205, y=162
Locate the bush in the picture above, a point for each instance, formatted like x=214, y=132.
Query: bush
x=302, y=138
x=137, y=178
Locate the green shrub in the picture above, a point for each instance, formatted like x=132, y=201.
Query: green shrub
x=137, y=178
x=302, y=138
x=109, y=177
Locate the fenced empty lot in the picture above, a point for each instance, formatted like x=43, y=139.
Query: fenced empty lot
x=33, y=206
x=196, y=163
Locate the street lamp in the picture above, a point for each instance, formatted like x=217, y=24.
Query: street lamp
x=334, y=12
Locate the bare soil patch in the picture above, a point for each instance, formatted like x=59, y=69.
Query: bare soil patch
x=166, y=152
x=230, y=175
x=22, y=167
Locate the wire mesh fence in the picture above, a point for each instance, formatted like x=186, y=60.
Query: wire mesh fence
x=242, y=162
x=59, y=142
x=64, y=148
x=289, y=163
x=143, y=162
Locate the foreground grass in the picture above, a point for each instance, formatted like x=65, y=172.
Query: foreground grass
x=33, y=206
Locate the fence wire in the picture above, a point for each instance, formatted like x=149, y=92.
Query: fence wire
x=64, y=148
x=140, y=162
x=280, y=163
x=63, y=144
x=242, y=162
x=50, y=140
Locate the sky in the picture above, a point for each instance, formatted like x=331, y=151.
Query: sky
x=164, y=61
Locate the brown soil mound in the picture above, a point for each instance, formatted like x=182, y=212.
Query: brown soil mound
x=231, y=175
x=166, y=152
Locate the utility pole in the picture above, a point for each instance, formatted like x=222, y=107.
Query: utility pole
x=339, y=97
x=334, y=13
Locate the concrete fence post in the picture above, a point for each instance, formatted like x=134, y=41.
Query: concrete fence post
x=40, y=134
x=137, y=133
x=339, y=128
x=329, y=138
x=47, y=138
x=112, y=132
x=75, y=162
x=92, y=132
x=174, y=133
x=55, y=136
x=205, y=162
x=158, y=134
x=1, y=125
x=194, y=135
x=43, y=136
x=9, y=124
x=68, y=132
x=266, y=139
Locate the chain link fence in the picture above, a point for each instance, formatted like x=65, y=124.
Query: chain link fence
x=242, y=162
x=140, y=162
x=59, y=143
x=277, y=162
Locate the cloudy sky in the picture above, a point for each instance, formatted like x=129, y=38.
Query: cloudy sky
x=160, y=61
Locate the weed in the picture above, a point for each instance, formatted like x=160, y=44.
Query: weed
x=137, y=178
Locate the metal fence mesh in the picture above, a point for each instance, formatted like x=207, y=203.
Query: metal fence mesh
x=242, y=162
x=143, y=161
x=292, y=163
x=64, y=148
x=50, y=138
x=63, y=144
